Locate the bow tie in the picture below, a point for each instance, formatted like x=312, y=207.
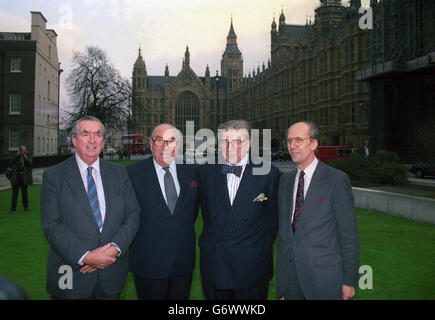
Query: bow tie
x=237, y=170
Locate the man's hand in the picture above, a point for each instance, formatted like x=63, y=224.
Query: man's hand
x=100, y=258
x=88, y=269
x=111, y=251
x=348, y=292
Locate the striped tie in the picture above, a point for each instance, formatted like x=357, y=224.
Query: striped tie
x=93, y=199
x=299, y=201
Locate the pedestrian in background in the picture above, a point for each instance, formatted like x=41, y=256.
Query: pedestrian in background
x=21, y=177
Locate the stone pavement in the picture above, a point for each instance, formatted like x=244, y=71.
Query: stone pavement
x=37, y=179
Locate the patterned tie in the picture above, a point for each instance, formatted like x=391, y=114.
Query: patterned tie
x=171, y=192
x=299, y=202
x=237, y=170
x=93, y=199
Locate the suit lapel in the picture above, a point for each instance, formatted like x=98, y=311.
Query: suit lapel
x=108, y=191
x=244, y=185
x=181, y=177
x=289, y=202
x=151, y=170
x=314, y=192
x=221, y=181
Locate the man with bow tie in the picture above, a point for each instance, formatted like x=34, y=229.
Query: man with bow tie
x=240, y=215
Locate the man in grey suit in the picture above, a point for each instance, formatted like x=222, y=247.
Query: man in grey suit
x=318, y=238
x=90, y=216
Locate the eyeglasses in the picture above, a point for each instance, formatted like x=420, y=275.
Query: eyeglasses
x=160, y=142
x=298, y=141
x=97, y=134
x=234, y=143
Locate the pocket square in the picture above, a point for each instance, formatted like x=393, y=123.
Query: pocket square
x=261, y=197
x=320, y=200
x=193, y=184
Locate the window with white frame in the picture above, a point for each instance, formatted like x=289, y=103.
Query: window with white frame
x=15, y=103
x=14, y=139
x=16, y=64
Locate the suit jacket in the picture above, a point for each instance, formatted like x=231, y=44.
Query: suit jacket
x=71, y=230
x=165, y=242
x=323, y=252
x=28, y=179
x=236, y=242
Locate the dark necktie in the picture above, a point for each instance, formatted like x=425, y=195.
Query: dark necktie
x=171, y=192
x=93, y=199
x=299, y=201
x=237, y=170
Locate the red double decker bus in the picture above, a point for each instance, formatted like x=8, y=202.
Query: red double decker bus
x=134, y=143
x=328, y=153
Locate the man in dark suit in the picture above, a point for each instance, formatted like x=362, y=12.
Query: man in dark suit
x=318, y=238
x=240, y=214
x=162, y=256
x=90, y=216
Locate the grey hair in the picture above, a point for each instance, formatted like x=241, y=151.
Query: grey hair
x=235, y=125
x=168, y=124
x=89, y=118
x=313, y=131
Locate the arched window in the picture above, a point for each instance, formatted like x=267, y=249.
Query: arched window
x=186, y=109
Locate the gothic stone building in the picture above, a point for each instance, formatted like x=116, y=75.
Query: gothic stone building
x=401, y=76
x=311, y=76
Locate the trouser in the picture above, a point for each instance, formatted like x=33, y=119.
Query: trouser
x=256, y=293
x=97, y=294
x=25, y=198
x=171, y=288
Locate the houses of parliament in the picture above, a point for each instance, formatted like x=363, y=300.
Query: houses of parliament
x=314, y=74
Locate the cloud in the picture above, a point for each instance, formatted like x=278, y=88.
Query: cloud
x=12, y=23
x=162, y=29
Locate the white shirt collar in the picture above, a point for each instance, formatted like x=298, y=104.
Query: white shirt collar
x=158, y=167
x=83, y=166
x=310, y=169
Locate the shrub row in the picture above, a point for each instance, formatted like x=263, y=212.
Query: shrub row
x=382, y=168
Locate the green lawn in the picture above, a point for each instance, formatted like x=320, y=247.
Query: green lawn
x=400, y=252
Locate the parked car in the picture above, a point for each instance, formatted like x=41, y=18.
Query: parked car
x=109, y=151
x=423, y=169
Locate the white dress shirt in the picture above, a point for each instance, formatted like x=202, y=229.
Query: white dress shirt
x=96, y=174
x=309, y=171
x=233, y=181
x=161, y=176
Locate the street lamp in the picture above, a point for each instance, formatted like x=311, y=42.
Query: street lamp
x=217, y=77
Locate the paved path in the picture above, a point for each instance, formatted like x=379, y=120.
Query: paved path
x=284, y=166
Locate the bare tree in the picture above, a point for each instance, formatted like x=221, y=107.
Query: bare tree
x=96, y=88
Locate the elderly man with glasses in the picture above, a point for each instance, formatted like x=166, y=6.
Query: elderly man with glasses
x=162, y=255
x=240, y=213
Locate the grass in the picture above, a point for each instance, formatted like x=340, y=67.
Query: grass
x=400, y=252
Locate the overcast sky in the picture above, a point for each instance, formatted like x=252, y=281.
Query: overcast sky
x=162, y=28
